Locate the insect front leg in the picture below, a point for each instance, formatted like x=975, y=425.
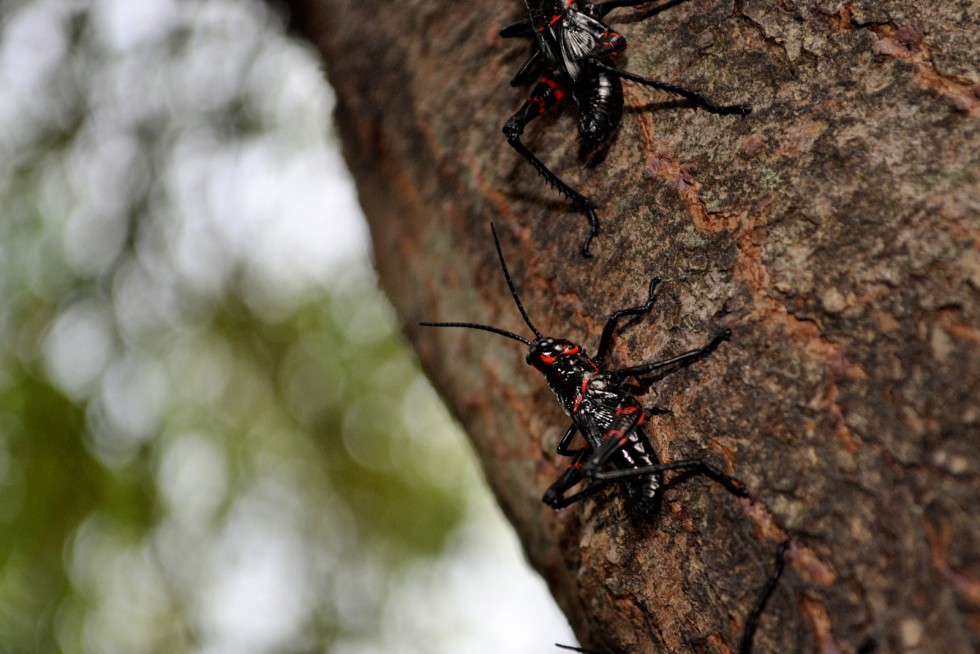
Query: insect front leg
x=693, y=96
x=613, y=321
x=684, y=359
x=542, y=98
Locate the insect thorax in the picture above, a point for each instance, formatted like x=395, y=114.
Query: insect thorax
x=543, y=12
x=568, y=378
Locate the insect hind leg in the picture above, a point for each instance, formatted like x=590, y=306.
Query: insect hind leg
x=734, y=486
x=543, y=97
x=555, y=495
x=697, y=466
x=752, y=618
x=696, y=98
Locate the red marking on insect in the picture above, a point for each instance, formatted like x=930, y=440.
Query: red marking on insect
x=556, y=17
x=615, y=432
x=555, y=87
x=567, y=351
x=581, y=392
x=609, y=44
x=626, y=410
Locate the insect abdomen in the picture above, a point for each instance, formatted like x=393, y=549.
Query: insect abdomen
x=600, y=101
x=643, y=493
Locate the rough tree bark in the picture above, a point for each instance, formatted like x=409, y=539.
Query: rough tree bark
x=835, y=230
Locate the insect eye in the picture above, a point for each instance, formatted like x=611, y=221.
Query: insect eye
x=571, y=349
x=547, y=359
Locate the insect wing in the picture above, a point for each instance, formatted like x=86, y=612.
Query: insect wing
x=577, y=38
x=594, y=413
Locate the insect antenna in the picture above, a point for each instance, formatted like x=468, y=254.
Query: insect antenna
x=510, y=284
x=486, y=328
x=517, y=300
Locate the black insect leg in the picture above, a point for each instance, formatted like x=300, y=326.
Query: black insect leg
x=520, y=29
x=542, y=98
x=731, y=484
x=869, y=645
x=693, y=96
x=644, y=369
x=527, y=69
x=752, y=619
x=628, y=416
x=611, y=323
x=566, y=440
x=555, y=495
x=600, y=9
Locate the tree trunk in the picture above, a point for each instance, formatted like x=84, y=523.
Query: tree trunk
x=835, y=230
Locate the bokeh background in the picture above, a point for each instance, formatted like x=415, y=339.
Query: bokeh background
x=212, y=435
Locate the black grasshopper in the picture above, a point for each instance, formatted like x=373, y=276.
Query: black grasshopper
x=576, y=51
x=611, y=421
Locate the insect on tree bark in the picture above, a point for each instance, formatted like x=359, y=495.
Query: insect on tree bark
x=835, y=230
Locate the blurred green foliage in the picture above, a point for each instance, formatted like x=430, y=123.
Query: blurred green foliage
x=212, y=437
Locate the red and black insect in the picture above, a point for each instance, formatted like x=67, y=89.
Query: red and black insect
x=576, y=50
x=611, y=420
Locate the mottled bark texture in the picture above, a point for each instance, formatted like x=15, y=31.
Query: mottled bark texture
x=835, y=230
